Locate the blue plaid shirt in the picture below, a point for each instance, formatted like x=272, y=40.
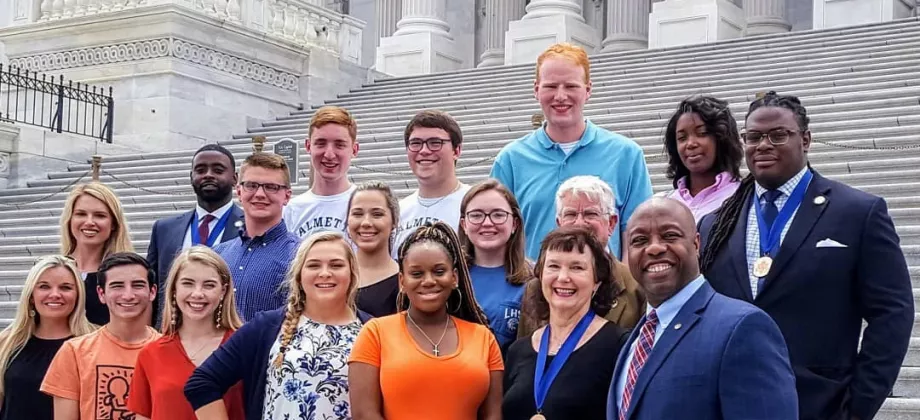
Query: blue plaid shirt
x=258, y=266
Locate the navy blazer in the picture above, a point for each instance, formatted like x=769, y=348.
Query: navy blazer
x=244, y=357
x=720, y=358
x=819, y=297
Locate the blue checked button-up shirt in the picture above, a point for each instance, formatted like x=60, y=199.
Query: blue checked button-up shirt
x=258, y=266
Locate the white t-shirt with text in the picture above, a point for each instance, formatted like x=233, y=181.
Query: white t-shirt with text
x=309, y=213
x=415, y=211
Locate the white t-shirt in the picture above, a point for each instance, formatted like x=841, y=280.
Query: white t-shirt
x=415, y=212
x=309, y=213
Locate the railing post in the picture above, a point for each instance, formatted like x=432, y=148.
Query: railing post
x=59, y=124
x=258, y=143
x=97, y=167
x=110, y=118
x=537, y=120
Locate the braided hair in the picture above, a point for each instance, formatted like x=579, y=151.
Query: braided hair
x=728, y=215
x=442, y=234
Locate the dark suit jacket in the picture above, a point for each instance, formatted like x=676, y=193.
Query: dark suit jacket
x=819, y=297
x=166, y=240
x=720, y=358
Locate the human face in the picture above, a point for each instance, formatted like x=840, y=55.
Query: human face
x=55, y=294
x=562, y=90
x=695, y=146
x=488, y=236
x=370, y=221
x=579, y=210
x=261, y=204
x=428, y=277
x=568, y=280
x=91, y=223
x=433, y=168
x=331, y=149
x=199, y=291
x=663, y=249
x=213, y=177
x=326, y=275
x=127, y=293
x=773, y=165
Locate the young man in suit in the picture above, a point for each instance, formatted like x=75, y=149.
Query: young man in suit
x=211, y=222
x=696, y=353
x=820, y=258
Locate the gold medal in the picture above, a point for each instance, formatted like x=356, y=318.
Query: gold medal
x=538, y=417
x=762, y=266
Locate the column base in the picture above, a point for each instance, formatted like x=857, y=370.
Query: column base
x=418, y=53
x=684, y=22
x=837, y=13
x=765, y=25
x=624, y=42
x=526, y=39
x=492, y=58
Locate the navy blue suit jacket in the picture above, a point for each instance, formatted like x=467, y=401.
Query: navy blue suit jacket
x=819, y=297
x=720, y=358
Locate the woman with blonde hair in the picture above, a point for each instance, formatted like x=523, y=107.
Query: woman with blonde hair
x=51, y=310
x=199, y=314
x=93, y=226
x=293, y=360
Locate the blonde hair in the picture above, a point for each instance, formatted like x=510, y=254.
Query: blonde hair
x=226, y=317
x=119, y=240
x=266, y=160
x=297, y=298
x=14, y=338
x=334, y=115
x=568, y=52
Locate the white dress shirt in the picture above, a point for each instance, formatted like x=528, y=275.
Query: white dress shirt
x=200, y=213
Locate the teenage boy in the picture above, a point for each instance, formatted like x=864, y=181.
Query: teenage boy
x=90, y=375
x=332, y=143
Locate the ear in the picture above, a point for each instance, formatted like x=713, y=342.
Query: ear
x=696, y=243
x=400, y=279
x=614, y=220
x=101, y=293
x=806, y=140
x=463, y=224
x=153, y=292
x=457, y=151
x=239, y=189
x=306, y=144
x=588, y=87
x=354, y=148
x=287, y=196
x=536, y=89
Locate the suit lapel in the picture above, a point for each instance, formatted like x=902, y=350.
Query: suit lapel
x=612, y=397
x=177, y=234
x=230, y=230
x=687, y=318
x=737, y=246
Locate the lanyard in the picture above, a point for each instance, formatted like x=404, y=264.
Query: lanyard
x=770, y=235
x=542, y=383
x=218, y=228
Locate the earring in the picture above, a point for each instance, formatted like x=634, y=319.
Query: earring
x=219, y=313
x=459, y=304
x=174, y=321
x=31, y=313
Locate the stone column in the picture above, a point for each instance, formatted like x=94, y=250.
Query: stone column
x=684, y=22
x=627, y=25
x=840, y=13
x=765, y=17
x=423, y=16
x=387, y=13
x=548, y=22
x=9, y=139
x=499, y=13
x=422, y=43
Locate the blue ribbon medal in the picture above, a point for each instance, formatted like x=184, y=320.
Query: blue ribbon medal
x=770, y=235
x=212, y=237
x=542, y=383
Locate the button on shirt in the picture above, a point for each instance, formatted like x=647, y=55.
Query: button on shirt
x=753, y=230
x=258, y=266
x=666, y=311
x=200, y=214
x=709, y=199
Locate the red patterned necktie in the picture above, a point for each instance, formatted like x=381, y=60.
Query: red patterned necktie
x=640, y=356
x=203, y=230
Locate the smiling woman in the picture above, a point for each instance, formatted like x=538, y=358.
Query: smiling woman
x=373, y=215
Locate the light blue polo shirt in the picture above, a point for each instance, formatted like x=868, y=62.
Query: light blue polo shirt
x=533, y=167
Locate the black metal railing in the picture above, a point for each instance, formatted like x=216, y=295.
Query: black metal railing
x=38, y=99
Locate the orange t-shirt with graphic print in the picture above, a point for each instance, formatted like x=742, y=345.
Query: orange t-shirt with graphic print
x=417, y=385
x=95, y=370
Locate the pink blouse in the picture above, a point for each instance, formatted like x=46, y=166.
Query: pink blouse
x=710, y=198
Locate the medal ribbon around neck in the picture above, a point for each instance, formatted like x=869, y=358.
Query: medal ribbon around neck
x=218, y=228
x=542, y=383
x=770, y=235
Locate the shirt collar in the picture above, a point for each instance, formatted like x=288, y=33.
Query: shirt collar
x=275, y=232
x=786, y=188
x=723, y=179
x=668, y=309
x=586, y=137
x=201, y=212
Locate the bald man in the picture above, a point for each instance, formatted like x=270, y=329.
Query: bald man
x=695, y=351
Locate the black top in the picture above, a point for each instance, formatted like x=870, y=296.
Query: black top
x=379, y=299
x=23, y=378
x=96, y=311
x=580, y=389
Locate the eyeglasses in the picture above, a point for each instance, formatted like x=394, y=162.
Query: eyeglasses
x=497, y=217
x=434, y=144
x=252, y=186
x=589, y=215
x=777, y=137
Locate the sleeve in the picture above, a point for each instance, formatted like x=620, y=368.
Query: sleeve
x=495, y=352
x=501, y=170
x=755, y=377
x=637, y=190
x=152, y=252
x=367, y=345
x=886, y=303
x=226, y=366
x=63, y=377
x=140, y=399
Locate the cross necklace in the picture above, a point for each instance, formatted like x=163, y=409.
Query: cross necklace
x=434, y=346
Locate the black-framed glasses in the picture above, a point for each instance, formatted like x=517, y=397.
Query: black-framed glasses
x=252, y=186
x=777, y=137
x=477, y=217
x=434, y=144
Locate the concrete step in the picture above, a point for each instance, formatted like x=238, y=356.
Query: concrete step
x=899, y=409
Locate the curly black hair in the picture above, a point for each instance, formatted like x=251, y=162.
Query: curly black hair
x=720, y=124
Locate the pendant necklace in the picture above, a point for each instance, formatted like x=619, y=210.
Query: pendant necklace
x=434, y=346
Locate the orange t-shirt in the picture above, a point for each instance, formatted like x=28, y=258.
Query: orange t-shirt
x=160, y=375
x=416, y=384
x=95, y=370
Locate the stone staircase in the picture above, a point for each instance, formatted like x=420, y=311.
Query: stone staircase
x=861, y=86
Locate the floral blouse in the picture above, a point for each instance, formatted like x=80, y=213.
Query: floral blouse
x=312, y=383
